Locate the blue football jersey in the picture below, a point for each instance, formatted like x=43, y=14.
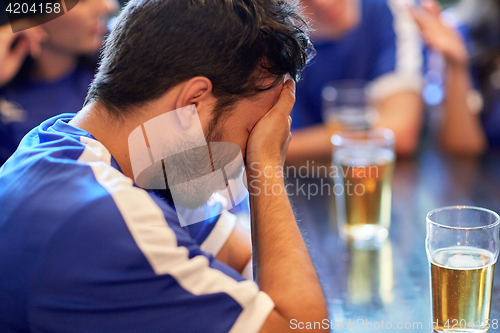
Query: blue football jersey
x=84, y=250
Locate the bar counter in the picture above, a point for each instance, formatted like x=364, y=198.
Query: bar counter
x=387, y=288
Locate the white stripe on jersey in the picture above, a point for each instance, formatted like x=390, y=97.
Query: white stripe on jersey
x=220, y=233
x=407, y=75
x=157, y=241
x=217, y=205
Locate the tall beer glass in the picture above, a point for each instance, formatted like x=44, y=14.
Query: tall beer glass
x=363, y=164
x=462, y=247
x=346, y=106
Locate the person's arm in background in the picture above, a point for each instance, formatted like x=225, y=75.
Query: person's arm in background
x=461, y=131
x=283, y=267
x=402, y=113
x=396, y=88
x=310, y=144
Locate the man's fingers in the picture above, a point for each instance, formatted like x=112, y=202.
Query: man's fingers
x=420, y=17
x=287, y=98
x=287, y=142
x=289, y=138
x=429, y=26
x=290, y=84
x=432, y=7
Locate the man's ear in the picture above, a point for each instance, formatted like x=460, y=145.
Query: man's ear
x=197, y=91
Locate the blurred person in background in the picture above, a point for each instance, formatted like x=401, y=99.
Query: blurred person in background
x=468, y=36
x=370, y=40
x=46, y=70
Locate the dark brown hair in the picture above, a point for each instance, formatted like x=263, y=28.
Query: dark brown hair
x=157, y=44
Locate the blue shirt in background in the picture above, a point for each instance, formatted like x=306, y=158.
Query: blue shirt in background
x=490, y=114
x=25, y=103
x=385, y=43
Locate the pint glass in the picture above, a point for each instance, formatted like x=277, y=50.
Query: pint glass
x=346, y=106
x=363, y=164
x=462, y=247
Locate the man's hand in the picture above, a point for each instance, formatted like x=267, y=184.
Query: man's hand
x=283, y=268
x=438, y=35
x=12, y=56
x=268, y=142
x=461, y=131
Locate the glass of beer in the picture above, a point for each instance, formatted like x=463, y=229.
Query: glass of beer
x=363, y=165
x=346, y=106
x=462, y=247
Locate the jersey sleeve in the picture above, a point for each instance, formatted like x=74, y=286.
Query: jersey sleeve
x=399, y=53
x=124, y=264
x=216, y=225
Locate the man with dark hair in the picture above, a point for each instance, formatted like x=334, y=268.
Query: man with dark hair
x=84, y=249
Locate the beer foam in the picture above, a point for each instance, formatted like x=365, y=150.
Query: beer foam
x=463, y=257
x=464, y=261
x=361, y=156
